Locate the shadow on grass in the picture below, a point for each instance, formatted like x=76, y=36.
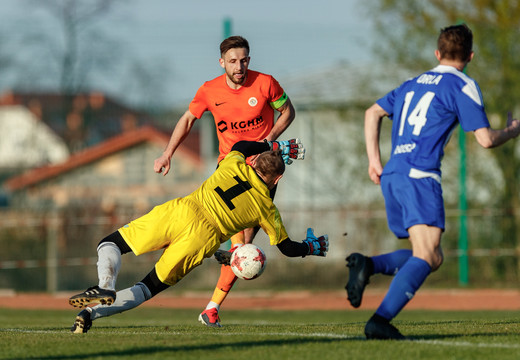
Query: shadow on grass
x=136, y=351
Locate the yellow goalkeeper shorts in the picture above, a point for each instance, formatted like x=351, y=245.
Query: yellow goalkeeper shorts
x=181, y=228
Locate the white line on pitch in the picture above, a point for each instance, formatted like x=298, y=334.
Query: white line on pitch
x=322, y=335
x=468, y=344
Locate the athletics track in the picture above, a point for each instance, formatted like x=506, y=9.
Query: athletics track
x=454, y=299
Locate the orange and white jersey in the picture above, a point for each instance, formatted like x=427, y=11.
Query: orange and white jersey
x=246, y=113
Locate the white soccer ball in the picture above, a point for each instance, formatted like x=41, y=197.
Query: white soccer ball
x=248, y=262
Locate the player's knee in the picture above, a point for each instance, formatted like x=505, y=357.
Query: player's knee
x=153, y=284
x=438, y=259
x=115, y=239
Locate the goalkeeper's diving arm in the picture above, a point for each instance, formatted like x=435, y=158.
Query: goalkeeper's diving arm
x=312, y=245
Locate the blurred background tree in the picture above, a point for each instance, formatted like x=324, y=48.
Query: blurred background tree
x=66, y=46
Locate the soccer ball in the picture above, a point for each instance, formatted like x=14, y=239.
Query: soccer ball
x=248, y=262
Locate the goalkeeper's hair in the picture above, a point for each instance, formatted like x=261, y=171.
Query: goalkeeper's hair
x=270, y=164
x=233, y=42
x=455, y=42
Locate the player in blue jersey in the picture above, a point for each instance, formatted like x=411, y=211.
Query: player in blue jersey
x=425, y=110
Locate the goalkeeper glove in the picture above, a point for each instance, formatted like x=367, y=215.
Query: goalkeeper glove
x=290, y=149
x=224, y=257
x=317, y=245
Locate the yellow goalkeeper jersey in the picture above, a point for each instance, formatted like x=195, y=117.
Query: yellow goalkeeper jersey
x=237, y=198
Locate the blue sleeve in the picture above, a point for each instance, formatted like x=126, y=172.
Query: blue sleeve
x=470, y=108
x=387, y=103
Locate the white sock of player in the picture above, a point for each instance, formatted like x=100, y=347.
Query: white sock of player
x=108, y=265
x=126, y=299
x=212, y=305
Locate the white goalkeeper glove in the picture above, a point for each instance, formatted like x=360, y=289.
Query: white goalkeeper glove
x=317, y=245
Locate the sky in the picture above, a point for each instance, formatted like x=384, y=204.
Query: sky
x=286, y=37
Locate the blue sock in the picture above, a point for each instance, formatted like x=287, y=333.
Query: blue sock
x=389, y=264
x=403, y=287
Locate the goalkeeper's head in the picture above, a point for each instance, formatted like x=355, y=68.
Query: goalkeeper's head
x=270, y=166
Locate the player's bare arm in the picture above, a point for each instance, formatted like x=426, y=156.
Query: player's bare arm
x=181, y=130
x=287, y=114
x=373, y=117
x=489, y=138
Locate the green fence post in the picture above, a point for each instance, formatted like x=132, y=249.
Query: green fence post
x=227, y=27
x=226, y=32
x=463, y=207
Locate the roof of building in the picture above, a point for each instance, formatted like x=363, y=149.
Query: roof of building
x=81, y=120
x=115, y=144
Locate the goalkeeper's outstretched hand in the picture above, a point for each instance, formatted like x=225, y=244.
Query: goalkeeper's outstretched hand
x=317, y=245
x=290, y=149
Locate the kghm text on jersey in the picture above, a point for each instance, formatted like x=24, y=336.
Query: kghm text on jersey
x=429, y=79
x=404, y=148
x=246, y=124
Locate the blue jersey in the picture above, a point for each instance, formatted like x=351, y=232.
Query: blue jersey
x=425, y=110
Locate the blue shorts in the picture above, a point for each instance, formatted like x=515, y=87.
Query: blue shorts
x=411, y=202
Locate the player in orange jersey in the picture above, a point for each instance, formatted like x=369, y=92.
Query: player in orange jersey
x=243, y=104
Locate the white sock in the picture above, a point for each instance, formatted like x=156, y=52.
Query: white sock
x=212, y=305
x=126, y=299
x=108, y=265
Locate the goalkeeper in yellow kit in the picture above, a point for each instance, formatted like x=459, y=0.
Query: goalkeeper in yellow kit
x=192, y=228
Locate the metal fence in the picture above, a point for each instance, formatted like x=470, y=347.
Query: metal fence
x=57, y=251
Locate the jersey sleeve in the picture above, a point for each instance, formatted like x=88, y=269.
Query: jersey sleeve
x=470, y=108
x=277, y=95
x=273, y=227
x=387, y=102
x=199, y=103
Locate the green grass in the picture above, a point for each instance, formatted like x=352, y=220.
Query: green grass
x=150, y=333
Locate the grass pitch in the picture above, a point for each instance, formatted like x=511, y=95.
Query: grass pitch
x=155, y=333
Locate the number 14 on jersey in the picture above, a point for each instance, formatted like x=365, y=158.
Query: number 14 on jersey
x=417, y=117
